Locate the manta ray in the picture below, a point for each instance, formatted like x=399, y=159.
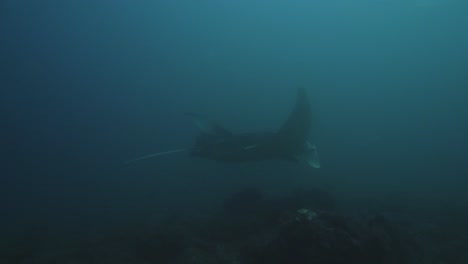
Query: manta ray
x=291, y=142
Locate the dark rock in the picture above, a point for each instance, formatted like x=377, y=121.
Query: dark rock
x=331, y=239
x=244, y=202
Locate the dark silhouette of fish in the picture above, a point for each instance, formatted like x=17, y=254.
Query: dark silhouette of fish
x=291, y=142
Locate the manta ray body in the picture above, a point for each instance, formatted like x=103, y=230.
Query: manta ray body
x=291, y=142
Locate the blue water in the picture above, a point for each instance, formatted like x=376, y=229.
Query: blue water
x=86, y=85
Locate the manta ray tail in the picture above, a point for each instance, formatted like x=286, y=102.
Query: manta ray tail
x=154, y=155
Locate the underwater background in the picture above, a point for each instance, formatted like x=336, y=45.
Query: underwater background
x=87, y=85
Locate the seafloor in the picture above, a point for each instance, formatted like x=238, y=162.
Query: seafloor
x=305, y=226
